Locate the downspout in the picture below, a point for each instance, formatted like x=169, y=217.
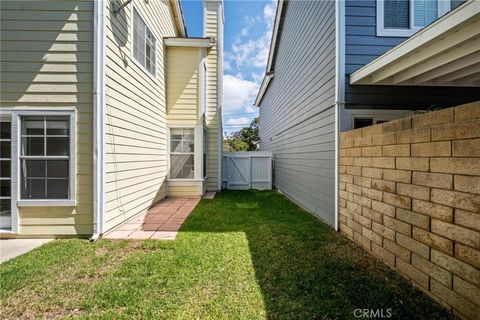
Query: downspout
x=220, y=26
x=98, y=119
x=339, y=90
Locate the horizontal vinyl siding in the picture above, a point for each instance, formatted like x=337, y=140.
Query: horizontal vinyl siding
x=362, y=45
x=47, y=62
x=136, y=165
x=297, y=117
x=212, y=119
x=182, y=85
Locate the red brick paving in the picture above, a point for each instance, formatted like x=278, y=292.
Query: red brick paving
x=161, y=222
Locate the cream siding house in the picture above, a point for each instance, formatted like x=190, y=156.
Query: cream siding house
x=92, y=101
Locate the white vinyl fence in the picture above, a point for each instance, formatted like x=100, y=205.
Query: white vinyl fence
x=247, y=170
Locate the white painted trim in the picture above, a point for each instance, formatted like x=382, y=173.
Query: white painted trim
x=269, y=74
x=99, y=125
x=445, y=23
x=442, y=5
x=263, y=88
x=178, y=9
x=197, y=155
x=273, y=42
x=14, y=183
x=339, y=92
x=190, y=42
x=46, y=203
x=157, y=43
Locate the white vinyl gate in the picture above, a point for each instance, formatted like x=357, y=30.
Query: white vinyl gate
x=247, y=170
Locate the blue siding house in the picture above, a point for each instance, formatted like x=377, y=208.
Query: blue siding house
x=339, y=65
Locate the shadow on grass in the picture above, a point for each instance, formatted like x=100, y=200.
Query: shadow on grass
x=304, y=269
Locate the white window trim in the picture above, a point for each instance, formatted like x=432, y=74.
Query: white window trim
x=137, y=63
x=443, y=7
x=16, y=123
x=195, y=152
x=15, y=115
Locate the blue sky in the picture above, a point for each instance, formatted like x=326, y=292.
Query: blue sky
x=248, y=26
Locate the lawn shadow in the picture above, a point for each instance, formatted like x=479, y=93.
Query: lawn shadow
x=304, y=269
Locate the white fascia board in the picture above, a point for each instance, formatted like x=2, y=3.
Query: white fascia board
x=190, y=42
x=178, y=12
x=263, y=88
x=276, y=25
x=432, y=31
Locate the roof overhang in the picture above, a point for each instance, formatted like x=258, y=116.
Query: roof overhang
x=272, y=54
x=263, y=87
x=178, y=17
x=445, y=53
x=190, y=42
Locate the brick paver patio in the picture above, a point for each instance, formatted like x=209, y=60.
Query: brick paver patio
x=160, y=222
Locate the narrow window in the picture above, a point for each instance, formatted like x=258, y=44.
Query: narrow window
x=144, y=44
x=44, y=157
x=182, y=148
x=5, y=174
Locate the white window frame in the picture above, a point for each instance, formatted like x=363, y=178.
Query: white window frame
x=443, y=7
x=16, y=144
x=135, y=61
x=198, y=153
x=15, y=115
x=195, y=151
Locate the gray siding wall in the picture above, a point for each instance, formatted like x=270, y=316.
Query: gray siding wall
x=362, y=45
x=297, y=114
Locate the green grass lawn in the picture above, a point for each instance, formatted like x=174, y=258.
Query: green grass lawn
x=243, y=255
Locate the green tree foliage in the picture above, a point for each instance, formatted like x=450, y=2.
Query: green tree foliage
x=246, y=139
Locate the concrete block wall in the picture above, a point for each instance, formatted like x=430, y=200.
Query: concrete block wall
x=410, y=195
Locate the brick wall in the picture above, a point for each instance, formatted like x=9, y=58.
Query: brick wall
x=410, y=195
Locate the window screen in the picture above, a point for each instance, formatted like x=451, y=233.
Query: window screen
x=396, y=14
x=182, y=148
x=424, y=12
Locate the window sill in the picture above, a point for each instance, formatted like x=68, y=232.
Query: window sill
x=46, y=203
x=401, y=33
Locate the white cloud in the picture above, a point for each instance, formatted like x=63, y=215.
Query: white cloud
x=245, y=62
x=248, y=50
x=238, y=121
x=238, y=94
x=269, y=13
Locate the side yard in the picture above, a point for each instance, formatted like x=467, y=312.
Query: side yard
x=242, y=255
